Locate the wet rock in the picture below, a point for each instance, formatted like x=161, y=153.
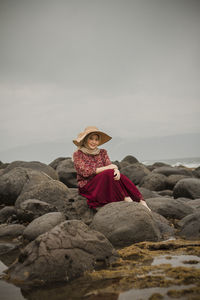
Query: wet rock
x=6, y=213
x=42, y=225
x=190, y=226
x=124, y=223
x=135, y=172
x=53, y=192
x=61, y=254
x=163, y=224
x=188, y=187
x=169, y=207
x=167, y=171
x=11, y=230
x=13, y=182
x=34, y=165
x=146, y=193
x=154, y=182
x=35, y=208
x=67, y=174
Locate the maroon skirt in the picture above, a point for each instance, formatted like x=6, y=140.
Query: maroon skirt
x=103, y=189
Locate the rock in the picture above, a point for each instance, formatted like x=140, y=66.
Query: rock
x=128, y=160
x=35, y=208
x=196, y=172
x=11, y=230
x=169, y=207
x=135, y=172
x=6, y=213
x=3, y=165
x=168, y=193
x=156, y=165
x=67, y=174
x=147, y=193
x=42, y=225
x=195, y=204
x=125, y=223
x=13, y=182
x=163, y=224
x=167, y=171
x=77, y=208
x=190, y=227
x=53, y=192
x=34, y=165
x=188, y=187
x=6, y=247
x=173, y=179
x=61, y=254
x=56, y=161
x=154, y=182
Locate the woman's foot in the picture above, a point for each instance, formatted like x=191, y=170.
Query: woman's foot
x=128, y=199
x=144, y=203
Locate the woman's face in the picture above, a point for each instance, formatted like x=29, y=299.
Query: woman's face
x=92, y=141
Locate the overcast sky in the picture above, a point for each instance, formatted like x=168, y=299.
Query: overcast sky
x=130, y=67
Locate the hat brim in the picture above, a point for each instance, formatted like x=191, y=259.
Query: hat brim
x=104, y=138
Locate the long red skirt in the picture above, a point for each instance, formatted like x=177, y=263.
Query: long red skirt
x=103, y=189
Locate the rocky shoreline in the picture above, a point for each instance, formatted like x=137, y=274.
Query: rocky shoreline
x=60, y=239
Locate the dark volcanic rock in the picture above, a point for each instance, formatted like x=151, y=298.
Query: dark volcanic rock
x=148, y=193
x=56, y=161
x=188, y=187
x=6, y=213
x=36, y=208
x=167, y=171
x=196, y=172
x=195, y=204
x=11, y=230
x=42, y=225
x=163, y=224
x=135, y=172
x=12, y=183
x=167, y=193
x=67, y=174
x=154, y=182
x=169, y=207
x=34, y=165
x=125, y=223
x=128, y=160
x=190, y=226
x=173, y=179
x=61, y=254
x=53, y=192
x=156, y=165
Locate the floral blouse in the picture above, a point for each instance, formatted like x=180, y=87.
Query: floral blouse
x=86, y=165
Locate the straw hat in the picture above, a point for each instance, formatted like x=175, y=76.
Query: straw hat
x=91, y=129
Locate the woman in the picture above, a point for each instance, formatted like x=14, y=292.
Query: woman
x=98, y=179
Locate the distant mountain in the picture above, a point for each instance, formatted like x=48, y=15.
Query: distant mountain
x=152, y=148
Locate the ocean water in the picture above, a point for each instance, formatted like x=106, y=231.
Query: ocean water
x=189, y=162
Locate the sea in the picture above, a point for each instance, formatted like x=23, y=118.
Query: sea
x=189, y=162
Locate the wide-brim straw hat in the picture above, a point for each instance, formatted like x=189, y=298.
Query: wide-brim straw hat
x=91, y=129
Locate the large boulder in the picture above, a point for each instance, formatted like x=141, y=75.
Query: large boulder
x=56, y=161
x=173, y=179
x=195, y=204
x=156, y=165
x=146, y=193
x=125, y=223
x=169, y=207
x=14, y=181
x=154, y=182
x=135, y=172
x=128, y=160
x=53, y=192
x=196, y=172
x=190, y=227
x=42, y=224
x=166, y=230
x=6, y=213
x=34, y=165
x=167, y=171
x=188, y=187
x=61, y=254
x=67, y=174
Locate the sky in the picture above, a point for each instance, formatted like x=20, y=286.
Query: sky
x=129, y=67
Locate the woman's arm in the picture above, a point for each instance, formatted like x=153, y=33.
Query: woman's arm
x=109, y=167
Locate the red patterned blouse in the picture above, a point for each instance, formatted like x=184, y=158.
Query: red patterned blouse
x=86, y=165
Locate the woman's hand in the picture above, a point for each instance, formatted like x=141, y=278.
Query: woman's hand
x=109, y=167
x=112, y=166
x=116, y=174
